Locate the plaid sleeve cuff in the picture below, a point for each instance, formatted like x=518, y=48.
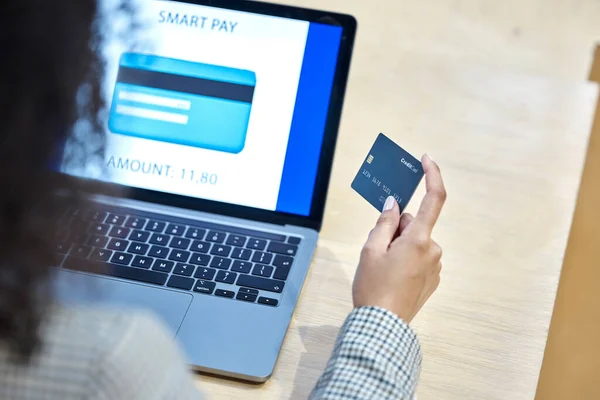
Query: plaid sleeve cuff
x=376, y=356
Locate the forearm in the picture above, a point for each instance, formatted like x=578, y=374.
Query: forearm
x=376, y=356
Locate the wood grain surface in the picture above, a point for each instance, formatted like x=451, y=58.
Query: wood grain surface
x=495, y=93
x=572, y=360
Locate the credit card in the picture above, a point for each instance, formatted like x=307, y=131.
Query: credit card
x=388, y=170
x=182, y=102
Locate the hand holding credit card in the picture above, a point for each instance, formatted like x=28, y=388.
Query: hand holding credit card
x=400, y=263
x=388, y=170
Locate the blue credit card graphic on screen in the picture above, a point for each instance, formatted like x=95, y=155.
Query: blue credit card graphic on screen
x=182, y=102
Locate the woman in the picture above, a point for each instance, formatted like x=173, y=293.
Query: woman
x=49, y=83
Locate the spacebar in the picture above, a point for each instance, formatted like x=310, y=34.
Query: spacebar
x=120, y=271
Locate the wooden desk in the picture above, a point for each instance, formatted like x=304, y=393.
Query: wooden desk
x=572, y=358
x=511, y=147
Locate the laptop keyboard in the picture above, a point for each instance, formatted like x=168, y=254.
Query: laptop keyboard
x=197, y=256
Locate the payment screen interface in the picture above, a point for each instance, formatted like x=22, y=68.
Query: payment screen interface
x=216, y=104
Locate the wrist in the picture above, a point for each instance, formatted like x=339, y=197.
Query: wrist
x=402, y=313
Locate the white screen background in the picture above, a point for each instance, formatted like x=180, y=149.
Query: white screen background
x=271, y=47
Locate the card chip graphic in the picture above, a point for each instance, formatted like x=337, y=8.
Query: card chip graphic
x=182, y=102
x=384, y=173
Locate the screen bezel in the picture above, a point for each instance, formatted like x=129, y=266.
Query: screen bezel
x=315, y=218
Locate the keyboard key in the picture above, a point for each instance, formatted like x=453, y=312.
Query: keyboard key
x=79, y=213
x=224, y=293
x=294, y=240
x=159, y=239
x=236, y=240
x=268, y=301
x=256, y=282
x=281, y=273
x=256, y=244
x=242, y=254
x=75, y=212
x=180, y=243
x=176, y=230
x=263, y=258
x=246, y=297
x=201, y=247
x=283, y=261
x=158, y=252
x=81, y=251
x=248, y=291
x=215, y=237
x=115, y=219
x=142, y=262
x=180, y=282
x=205, y=273
x=135, y=223
x=241, y=266
x=119, y=271
x=118, y=232
x=138, y=248
x=163, y=265
x=100, y=229
x=121, y=258
x=235, y=230
x=221, y=263
x=101, y=255
x=204, y=287
x=155, y=226
x=63, y=248
x=282, y=248
x=98, y=241
x=98, y=216
x=195, y=233
x=137, y=274
x=226, y=277
x=262, y=270
x=200, y=259
x=139, y=236
x=184, y=269
x=220, y=250
x=179, y=255
x=117, y=244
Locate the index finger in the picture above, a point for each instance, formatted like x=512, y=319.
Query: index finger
x=434, y=199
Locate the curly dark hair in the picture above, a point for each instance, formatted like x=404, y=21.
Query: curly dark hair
x=50, y=81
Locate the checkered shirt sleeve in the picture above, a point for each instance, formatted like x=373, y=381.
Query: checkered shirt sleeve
x=377, y=356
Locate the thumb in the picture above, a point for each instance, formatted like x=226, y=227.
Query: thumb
x=387, y=225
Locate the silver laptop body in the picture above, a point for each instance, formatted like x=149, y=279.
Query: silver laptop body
x=224, y=275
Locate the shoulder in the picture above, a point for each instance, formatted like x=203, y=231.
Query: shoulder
x=132, y=354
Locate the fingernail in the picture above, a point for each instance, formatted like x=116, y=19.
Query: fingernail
x=389, y=203
x=428, y=156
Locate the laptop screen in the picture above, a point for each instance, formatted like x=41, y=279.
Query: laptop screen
x=217, y=104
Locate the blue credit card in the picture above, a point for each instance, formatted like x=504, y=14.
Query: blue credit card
x=182, y=102
x=388, y=170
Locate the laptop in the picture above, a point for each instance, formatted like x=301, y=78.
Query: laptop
x=223, y=118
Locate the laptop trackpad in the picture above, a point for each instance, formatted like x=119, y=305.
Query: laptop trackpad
x=168, y=305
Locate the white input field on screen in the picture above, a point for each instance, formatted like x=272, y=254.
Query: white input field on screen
x=164, y=116
x=154, y=100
